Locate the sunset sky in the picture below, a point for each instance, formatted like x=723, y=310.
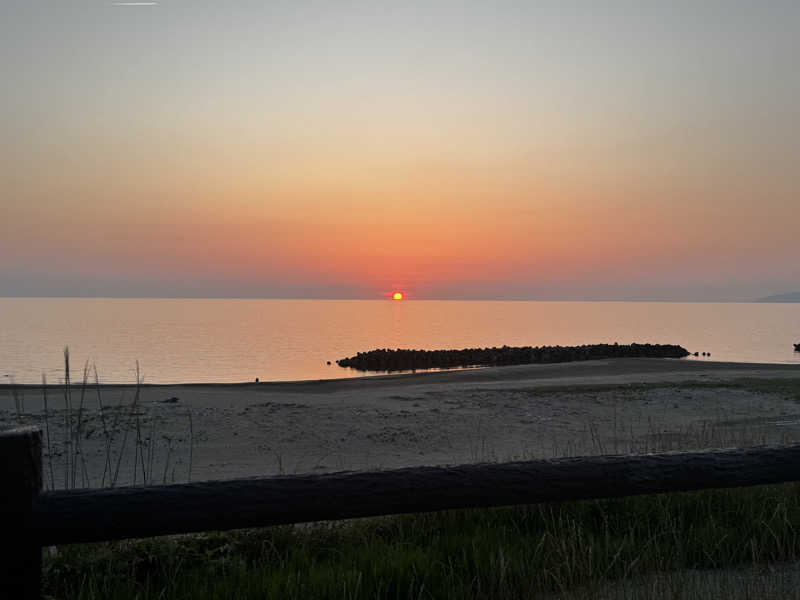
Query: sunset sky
x=465, y=150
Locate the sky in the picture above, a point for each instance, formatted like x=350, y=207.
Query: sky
x=619, y=150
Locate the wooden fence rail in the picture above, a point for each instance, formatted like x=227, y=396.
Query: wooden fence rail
x=62, y=517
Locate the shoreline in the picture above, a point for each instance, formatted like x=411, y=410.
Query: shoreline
x=587, y=368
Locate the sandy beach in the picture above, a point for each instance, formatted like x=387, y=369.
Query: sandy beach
x=492, y=414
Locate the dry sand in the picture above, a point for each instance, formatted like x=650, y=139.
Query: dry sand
x=503, y=413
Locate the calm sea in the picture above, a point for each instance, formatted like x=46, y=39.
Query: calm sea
x=211, y=340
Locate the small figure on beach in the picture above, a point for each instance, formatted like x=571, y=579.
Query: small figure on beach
x=797, y=347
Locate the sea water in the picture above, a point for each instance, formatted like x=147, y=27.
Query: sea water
x=235, y=340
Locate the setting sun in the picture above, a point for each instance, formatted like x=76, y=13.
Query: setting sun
x=397, y=296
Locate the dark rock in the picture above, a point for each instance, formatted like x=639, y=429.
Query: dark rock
x=408, y=360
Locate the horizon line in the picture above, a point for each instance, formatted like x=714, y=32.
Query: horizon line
x=427, y=299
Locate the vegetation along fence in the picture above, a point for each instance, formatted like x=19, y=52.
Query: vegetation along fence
x=34, y=518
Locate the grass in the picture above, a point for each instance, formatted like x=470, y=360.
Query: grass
x=566, y=550
x=647, y=546
x=80, y=426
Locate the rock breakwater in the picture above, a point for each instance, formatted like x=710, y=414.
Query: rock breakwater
x=409, y=360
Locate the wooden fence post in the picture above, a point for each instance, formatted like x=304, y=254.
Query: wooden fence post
x=20, y=482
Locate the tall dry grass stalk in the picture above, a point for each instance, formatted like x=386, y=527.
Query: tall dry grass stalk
x=68, y=405
x=79, y=435
x=191, y=444
x=66, y=453
x=19, y=397
x=47, y=433
x=134, y=406
x=106, y=434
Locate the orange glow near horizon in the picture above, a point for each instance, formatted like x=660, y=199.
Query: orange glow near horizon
x=397, y=296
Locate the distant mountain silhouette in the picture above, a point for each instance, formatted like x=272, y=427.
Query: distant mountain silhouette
x=790, y=297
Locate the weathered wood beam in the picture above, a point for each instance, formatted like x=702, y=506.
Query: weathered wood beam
x=95, y=515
